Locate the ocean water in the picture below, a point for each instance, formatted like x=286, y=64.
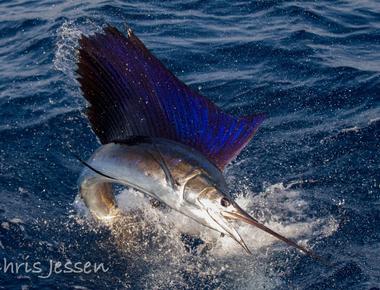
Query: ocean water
x=312, y=172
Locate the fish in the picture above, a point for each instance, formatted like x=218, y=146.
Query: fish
x=159, y=137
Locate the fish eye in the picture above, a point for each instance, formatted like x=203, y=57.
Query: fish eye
x=225, y=202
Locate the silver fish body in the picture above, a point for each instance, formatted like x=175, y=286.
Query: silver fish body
x=176, y=175
x=168, y=171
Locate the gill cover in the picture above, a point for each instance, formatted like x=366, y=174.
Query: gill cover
x=131, y=93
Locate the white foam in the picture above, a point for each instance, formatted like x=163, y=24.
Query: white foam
x=373, y=120
x=351, y=129
x=153, y=236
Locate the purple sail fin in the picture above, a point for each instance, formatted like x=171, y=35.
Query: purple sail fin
x=131, y=93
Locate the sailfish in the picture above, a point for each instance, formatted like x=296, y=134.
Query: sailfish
x=159, y=137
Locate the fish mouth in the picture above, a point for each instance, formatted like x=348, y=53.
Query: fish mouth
x=226, y=228
x=241, y=215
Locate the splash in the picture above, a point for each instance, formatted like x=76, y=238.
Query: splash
x=159, y=235
x=66, y=48
x=153, y=240
x=66, y=52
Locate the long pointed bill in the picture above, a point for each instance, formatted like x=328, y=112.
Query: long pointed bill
x=243, y=216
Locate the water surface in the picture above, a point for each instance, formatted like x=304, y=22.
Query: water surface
x=311, y=172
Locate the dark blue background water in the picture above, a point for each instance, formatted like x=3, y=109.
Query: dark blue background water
x=313, y=67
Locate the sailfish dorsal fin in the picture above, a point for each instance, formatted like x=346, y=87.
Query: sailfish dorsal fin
x=131, y=93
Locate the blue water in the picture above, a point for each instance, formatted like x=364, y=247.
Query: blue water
x=312, y=171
